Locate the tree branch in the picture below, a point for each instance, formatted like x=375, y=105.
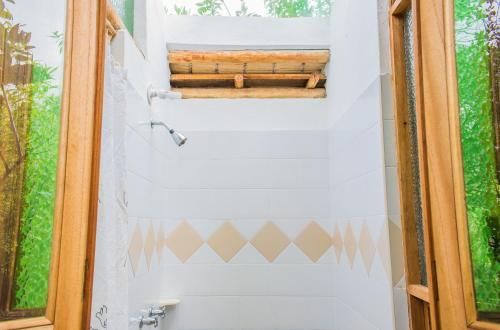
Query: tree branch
x=227, y=8
x=12, y=124
x=10, y=170
x=4, y=161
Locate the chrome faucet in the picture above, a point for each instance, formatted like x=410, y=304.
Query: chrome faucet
x=153, y=314
x=148, y=321
x=157, y=312
x=142, y=321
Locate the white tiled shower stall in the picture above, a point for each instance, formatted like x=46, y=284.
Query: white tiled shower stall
x=276, y=214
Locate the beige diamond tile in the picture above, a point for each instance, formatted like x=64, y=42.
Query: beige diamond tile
x=226, y=241
x=160, y=241
x=366, y=247
x=383, y=251
x=313, y=241
x=350, y=244
x=135, y=249
x=396, y=265
x=184, y=241
x=149, y=245
x=338, y=244
x=270, y=241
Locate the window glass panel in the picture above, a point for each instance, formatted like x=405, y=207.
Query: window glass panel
x=412, y=116
x=125, y=9
x=477, y=41
x=264, y=8
x=31, y=48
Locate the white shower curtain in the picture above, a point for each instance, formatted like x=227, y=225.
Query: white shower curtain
x=110, y=297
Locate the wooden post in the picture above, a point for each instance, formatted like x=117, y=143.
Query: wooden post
x=313, y=80
x=239, y=81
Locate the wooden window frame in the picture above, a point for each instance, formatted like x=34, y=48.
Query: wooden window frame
x=421, y=299
x=468, y=295
x=236, y=74
x=443, y=168
x=78, y=168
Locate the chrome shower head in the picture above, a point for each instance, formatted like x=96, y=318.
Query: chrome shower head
x=178, y=138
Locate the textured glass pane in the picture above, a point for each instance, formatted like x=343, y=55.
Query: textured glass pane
x=31, y=38
x=412, y=115
x=476, y=53
x=264, y=8
x=125, y=9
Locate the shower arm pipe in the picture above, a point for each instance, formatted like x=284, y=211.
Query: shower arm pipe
x=163, y=94
x=178, y=138
x=160, y=123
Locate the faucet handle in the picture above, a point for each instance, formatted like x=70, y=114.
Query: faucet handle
x=149, y=321
x=142, y=321
x=157, y=312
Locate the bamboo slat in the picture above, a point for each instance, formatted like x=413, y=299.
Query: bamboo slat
x=266, y=73
x=263, y=93
x=314, y=56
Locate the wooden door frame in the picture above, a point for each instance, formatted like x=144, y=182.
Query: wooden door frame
x=454, y=301
x=78, y=167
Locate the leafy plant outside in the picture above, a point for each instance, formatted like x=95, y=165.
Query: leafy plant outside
x=274, y=8
x=209, y=7
x=182, y=10
x=289, y=8
x=35, y=237
x=29, y=135
x=478, y=148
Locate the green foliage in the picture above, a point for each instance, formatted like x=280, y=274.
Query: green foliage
x=468, y=12
x=289, y=8
x=298, y=8
x=59, y=38
x=28, y=95
x=181, y=10
x=481, y=184
x=209, y=7
x=323, y=8
x=34, y=250
x=275, y=8
x=4, y=12
x=243, y=11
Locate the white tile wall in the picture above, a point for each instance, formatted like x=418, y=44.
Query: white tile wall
x=358, y=196
x=362, y=160
x=268, y=170
x=393, y=199
x=401, y=308
x=355, y=43
x=351, y=319
x=250, y=173
x=249, y=177
x=142, y=187
x=254, y=313
x=141, y=295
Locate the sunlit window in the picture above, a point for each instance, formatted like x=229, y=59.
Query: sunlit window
x=263, y=8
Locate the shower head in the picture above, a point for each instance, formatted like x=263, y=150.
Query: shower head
x=178, y=138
